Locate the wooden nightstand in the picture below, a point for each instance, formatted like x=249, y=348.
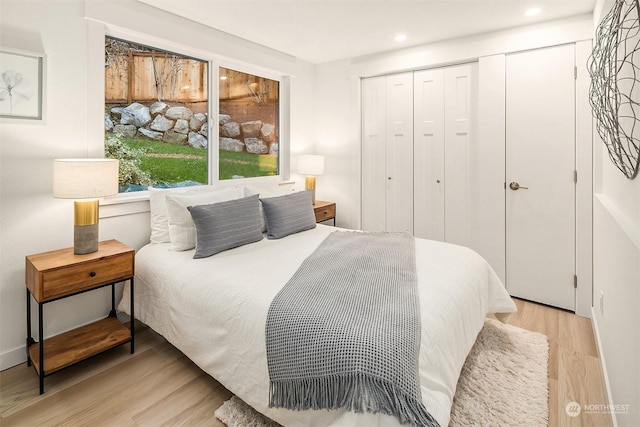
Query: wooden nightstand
x=54, y=275
x=325, y=211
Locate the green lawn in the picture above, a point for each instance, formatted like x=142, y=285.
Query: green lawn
x=169, y=163
x=246, y=165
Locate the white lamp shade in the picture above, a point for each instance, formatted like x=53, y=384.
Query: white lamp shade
x=311, y=164
x=85, y=178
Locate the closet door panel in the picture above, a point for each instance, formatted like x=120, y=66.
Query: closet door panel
x=429, y=154
x=399, y=153
x=459, y=153
x=374, y=178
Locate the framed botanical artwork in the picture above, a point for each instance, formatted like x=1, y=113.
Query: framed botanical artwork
x=21, y=84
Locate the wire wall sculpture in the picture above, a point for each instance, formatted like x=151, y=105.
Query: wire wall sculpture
x=614, y=66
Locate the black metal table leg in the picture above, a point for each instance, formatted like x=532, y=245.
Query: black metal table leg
x=112, y=313
x=132, y=321
x=41, y=347
x=29, y=338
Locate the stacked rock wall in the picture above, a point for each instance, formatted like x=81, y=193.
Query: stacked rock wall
x=159, y=122
x=253, y=137
x=180, y=125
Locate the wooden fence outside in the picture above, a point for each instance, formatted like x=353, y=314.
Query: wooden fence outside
x=238, y=85
x=131, y=78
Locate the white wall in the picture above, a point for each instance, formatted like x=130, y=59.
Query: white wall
x=31, y=220
x=337, y=137
x=616, y=278
x=616, y=283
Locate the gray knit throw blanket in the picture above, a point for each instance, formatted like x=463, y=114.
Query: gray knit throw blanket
x=344, y=332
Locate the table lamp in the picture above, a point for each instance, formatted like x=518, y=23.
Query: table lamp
x=87, y=179
x=311, y=165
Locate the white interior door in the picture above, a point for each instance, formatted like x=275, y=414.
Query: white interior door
x=399, y=164
x=429, y=154
x=540, y=159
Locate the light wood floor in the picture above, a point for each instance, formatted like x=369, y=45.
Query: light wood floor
x=158, y=385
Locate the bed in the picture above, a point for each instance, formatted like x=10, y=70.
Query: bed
x=214, y=310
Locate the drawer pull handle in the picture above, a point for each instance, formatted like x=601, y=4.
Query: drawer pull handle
x=92, y=274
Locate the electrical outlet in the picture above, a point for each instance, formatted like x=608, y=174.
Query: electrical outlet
x=602, y=303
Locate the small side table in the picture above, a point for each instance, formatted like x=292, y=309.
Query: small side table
x=325, y=211
x=54, y=275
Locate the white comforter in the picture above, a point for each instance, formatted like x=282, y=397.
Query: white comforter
x=214, y=310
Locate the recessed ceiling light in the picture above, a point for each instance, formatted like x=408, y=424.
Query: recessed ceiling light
x=533, y=11
x=223, y=77
x=400, y=37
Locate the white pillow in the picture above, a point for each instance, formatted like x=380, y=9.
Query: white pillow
x=158, y=207
x=271, y=190
x=182, y=230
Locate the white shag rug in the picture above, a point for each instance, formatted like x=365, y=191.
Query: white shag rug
x=503, y=382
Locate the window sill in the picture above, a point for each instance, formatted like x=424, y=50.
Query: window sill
x=124, y=204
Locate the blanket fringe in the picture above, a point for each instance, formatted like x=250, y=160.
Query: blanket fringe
x=355, y=392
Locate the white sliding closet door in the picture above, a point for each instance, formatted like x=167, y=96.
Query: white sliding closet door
x=429, y=154
x=460, y=153
x=387, y=153
x=444, y=112
x=400, y=152
x=374, y=153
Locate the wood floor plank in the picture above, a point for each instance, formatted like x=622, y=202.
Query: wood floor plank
x=577, y=332
x=123, y=385
x=61, y=406
x=192, y=404
x=158, y=385
x=553, y=402
x=144, y=386
x=21, y=384
x=580, y=382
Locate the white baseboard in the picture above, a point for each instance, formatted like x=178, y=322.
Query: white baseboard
x=603, y=365
x=12, y=358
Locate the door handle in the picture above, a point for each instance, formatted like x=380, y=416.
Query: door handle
x=515, y=186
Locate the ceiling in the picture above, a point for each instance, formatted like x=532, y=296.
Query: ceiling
x=325, y=30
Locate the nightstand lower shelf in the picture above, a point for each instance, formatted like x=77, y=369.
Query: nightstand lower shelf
x=70, y=347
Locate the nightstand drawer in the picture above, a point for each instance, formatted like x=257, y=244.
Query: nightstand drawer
x=56, y=274
x=80, y=277
x=325, y=212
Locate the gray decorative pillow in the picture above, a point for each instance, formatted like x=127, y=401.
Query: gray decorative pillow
x=288, y=214
x=225, y=225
